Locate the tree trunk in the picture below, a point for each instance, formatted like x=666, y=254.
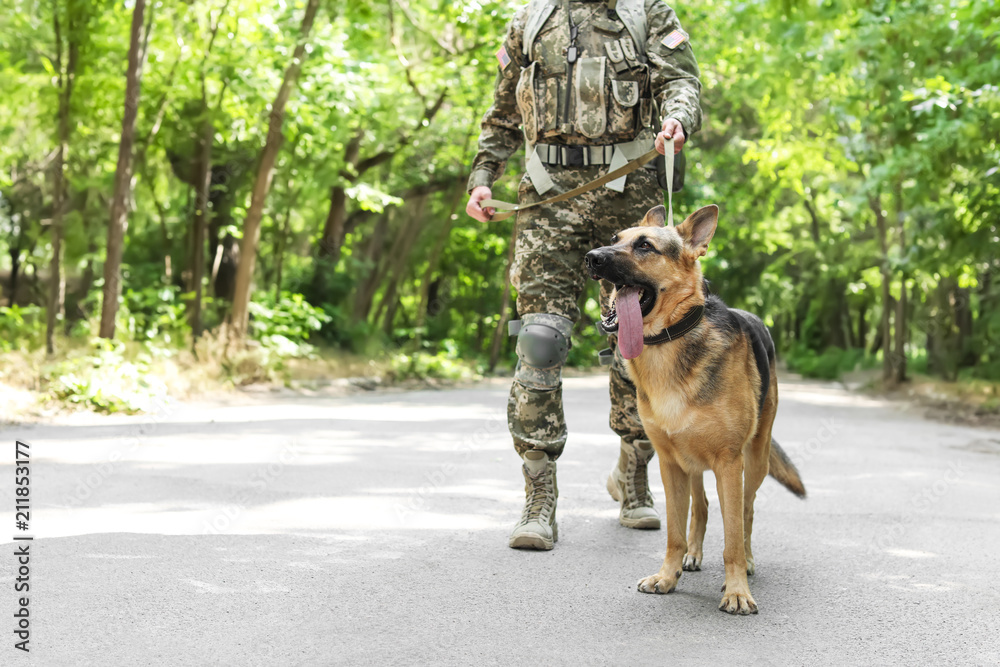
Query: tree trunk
x=398, y=263
x=279, y=251
x=123, y=178
x=15, y=265
x=899, y=365
x=87, y=282
x=942, y=354
x=845, y=318
x=203, y=184
x=251, y=225
x=862, y=325
x=814, y=220
x=963, y=320
x=372, y=248
x=201, y=212
x=885, y=333
x=432, y=261
x=65, y=78
x=161, y=213
x=333, y=228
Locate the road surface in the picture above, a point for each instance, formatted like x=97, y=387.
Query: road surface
x=372, y=529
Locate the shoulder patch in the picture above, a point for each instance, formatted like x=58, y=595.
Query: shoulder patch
x=503, y=57
x=675, y=39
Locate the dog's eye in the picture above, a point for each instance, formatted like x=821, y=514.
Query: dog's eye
x=614, y=239
x=645, y=245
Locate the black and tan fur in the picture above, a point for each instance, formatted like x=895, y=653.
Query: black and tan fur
x=707, y=400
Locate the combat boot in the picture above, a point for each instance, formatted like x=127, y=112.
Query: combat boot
x=537, y=528
x=628, y=483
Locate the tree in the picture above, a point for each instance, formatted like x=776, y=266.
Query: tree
x=262, y=183
x=203, y=180
x=64, y=81
x=123, y=175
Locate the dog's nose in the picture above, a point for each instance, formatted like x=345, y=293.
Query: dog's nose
x=596, y=259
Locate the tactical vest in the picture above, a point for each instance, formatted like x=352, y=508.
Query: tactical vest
x=609, y=99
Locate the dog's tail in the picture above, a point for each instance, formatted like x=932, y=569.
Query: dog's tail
x=783, y=470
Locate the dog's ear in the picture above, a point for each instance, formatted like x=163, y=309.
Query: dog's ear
x=655, y=217
x=699, y=227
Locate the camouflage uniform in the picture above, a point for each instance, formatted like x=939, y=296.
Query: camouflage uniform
x=616, y=98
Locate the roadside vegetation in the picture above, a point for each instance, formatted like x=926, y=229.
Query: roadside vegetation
x=211, y=193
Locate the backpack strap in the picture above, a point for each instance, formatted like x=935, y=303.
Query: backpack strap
x=538, y=13
x=631, y=12
x=633, y=15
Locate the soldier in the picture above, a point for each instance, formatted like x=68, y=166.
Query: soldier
x=592, y=84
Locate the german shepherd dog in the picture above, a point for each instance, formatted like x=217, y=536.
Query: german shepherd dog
x=706, y=387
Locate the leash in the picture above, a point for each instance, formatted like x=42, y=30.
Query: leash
x=505, y=209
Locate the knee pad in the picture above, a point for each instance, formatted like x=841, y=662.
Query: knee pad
x=542, y=349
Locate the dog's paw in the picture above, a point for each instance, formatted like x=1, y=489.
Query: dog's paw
x=737, y=603
x=692, y=563
x=658, y=583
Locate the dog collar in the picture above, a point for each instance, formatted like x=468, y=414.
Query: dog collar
x=677, y=329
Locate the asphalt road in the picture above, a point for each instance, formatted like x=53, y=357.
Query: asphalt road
x=372, y=529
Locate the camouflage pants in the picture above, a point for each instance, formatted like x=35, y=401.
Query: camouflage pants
x=550, y=276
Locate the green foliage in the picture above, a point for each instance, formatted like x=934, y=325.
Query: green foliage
x=587, y=342
x=21, y=327
x=154, y=313
x=105, y=378
x=830, y=364
x=851, y=146
x=445, y=365
x=284, y=327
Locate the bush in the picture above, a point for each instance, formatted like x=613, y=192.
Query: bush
x=102, y=379
x=445, y=365
x=284, y=327
x=21, y=328
x=155, y=312
x=829, y=364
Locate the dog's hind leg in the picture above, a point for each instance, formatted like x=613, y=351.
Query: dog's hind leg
x=699, y=520
x=754, y=472
x=757, y=465
x=736, y=598
x=677, y=485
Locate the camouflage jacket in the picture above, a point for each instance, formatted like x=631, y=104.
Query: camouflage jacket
x=614, y=96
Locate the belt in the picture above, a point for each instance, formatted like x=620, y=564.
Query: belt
x=580, y=156
x=574, y=156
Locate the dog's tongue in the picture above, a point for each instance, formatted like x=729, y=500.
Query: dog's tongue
x=629, y=322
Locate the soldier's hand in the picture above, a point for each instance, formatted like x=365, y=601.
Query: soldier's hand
x=473, y=208
x=672, y=129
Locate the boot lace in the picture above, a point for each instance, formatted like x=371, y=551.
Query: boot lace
x=540, y=496
x=637, y=483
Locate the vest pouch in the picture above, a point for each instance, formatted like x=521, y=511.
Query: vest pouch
x=646, y=111
x=622, y=111
x=548, y=100
x=591, y=108
x=616, y=56
x=628, y=48
x=526, y=102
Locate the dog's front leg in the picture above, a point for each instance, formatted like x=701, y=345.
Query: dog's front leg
x=736, y=598
x=677, y=485
x=699, y=520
